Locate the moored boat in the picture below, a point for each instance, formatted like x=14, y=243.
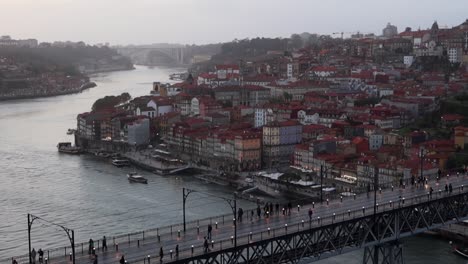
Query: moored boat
x=134, y=177
x=120, y=162
x=66, y=147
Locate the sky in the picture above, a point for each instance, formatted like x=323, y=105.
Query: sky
x=212, y=21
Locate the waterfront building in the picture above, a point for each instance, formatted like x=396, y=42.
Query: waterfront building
x=138, y=132
x=279, y=140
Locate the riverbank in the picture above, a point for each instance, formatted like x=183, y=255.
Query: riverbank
x=41, y=93
x=109, y=69
x=32, y=94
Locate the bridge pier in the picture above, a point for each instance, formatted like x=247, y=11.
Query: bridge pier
x=388, y=253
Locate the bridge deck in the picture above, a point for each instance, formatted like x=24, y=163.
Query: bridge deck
x=255, y=229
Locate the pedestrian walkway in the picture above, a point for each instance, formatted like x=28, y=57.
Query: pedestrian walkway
x=192, y=242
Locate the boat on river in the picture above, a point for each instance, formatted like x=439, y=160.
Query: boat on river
x=135, y=177
x=120, y=162
x=66, y=147
x=461, y=251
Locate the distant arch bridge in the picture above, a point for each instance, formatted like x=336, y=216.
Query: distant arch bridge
x=156, y=55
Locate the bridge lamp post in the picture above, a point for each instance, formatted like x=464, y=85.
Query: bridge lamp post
x=70, y=233
x=232, y=203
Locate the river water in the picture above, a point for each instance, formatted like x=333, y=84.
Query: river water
x=93, y=197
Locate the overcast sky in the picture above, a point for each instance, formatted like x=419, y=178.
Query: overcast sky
x=208, y=21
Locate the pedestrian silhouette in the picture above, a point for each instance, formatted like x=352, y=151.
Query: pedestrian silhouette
x=310, y=214
x=205, y=246
x=95, y=259
x=33, y=256
x=210, y=228
x=277, y=207
x=41, y=255
x=122, y=260
x=446, y=188
x=161, y=254
x=104, y=243
x=91, y=246
x=177, y=250
x=450, y=188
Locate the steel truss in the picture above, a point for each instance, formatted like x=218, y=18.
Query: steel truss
x=383, y=230
x=388, y=253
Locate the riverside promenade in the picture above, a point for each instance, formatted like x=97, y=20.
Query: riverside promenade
x=145, y=246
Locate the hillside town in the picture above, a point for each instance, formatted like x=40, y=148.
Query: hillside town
x=346, y=109
x=30, y=69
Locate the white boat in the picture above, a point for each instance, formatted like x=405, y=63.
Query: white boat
x=66, y=147
x=119, y=162
x=134, y=177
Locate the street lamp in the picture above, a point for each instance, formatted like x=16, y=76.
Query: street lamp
x=70, y=233
x=232, y=203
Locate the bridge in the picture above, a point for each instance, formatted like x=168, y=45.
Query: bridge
x=156, y=54
x=374, y=222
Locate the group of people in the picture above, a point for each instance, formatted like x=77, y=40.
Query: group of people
x=40, y=253
x=161, y=253
x=92, y=249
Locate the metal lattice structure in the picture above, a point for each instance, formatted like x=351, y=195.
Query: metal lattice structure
x=377, y=233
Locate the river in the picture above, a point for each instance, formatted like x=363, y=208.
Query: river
x=93, y=197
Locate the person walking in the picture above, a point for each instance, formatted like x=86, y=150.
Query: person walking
x=33, y=256
x=289, y=208
x=259, y=211
x=210, y=228
x=95, y=261
x=450, y=188
x=271, y=208
x=161, y=254
x=13, y=261
x=430, y=191
x=205, y=246
x=122, y=260
x=90, y=246
x=310, y=214
x=104, y=243
x=277, y=208
x=240, y=213
x=446, y=188
x=41, y=255
x=177, y=250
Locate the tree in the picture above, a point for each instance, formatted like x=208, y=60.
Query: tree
x=287, y=96
x=296, y=41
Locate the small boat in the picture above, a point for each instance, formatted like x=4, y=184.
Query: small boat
x=461, y=251
x=66, y=147
x=134, y=177
x=103, y=154
x=120, y=162
x=70, y=131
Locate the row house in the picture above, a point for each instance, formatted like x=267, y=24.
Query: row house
x=97, y=125
x=321, y=72
x=248, y=95
x=298, y=89
x=279, y=139
x=312, y=131
x=183, y=103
